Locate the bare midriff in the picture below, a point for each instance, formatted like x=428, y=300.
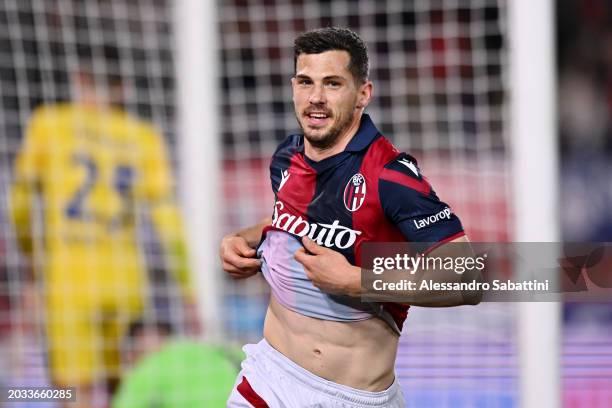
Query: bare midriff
x=357, y=354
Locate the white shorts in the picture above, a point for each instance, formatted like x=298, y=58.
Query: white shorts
x=269, y=379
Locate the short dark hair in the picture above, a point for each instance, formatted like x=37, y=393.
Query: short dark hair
x=91, y=54
x=137, y=327
x=335, y=39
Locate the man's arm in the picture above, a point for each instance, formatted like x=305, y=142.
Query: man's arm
x=458, y=248
x=157, y=192
x=26, y=180
x=238, y=253
x=169, y=228
x=20, y=202
x=332, y=273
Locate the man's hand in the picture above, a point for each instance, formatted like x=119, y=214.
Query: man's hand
x=329, y=270
x=238, y=257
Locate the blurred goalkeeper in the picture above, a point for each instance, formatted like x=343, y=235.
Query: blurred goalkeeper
x=93, y=168
x=337, y=185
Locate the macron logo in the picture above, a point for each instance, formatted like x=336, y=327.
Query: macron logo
x=410, y=165
x=284, y=177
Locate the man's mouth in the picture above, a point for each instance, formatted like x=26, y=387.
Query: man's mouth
x=317, y=118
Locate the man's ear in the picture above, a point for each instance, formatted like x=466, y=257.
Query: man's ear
x=365, y=94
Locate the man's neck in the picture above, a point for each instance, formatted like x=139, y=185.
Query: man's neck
x=317, y=154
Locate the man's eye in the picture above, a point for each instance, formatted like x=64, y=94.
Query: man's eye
x=333, y=84
x=304, y=82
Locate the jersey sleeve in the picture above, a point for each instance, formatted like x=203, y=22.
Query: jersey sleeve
x=29, y=162
x=157, y=177
x=281, y=160
x=411, y=204
x=29, y=165
x=158, y=190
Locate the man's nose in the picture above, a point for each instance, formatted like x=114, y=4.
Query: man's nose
x=317, y=96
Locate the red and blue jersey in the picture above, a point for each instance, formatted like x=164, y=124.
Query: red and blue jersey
x=370, y=192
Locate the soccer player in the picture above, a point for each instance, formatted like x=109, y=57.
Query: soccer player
x=168, y=372
x=94, y=168
x=337, y=185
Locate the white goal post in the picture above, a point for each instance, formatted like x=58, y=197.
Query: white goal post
x=534, y=149
x=196, y=58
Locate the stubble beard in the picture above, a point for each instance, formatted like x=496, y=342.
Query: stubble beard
x=329, y=139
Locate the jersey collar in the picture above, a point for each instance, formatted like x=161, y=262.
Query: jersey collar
x=365, y=135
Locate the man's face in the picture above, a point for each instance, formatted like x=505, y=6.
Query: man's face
x=98, y=91
x=326, y=97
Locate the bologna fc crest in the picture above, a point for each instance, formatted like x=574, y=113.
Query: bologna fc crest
x=355, y=192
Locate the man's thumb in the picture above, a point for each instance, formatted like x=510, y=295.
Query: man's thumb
x=311, y=246
x=245, y=249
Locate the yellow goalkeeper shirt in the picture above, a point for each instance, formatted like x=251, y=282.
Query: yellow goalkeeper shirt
x=93, y=170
